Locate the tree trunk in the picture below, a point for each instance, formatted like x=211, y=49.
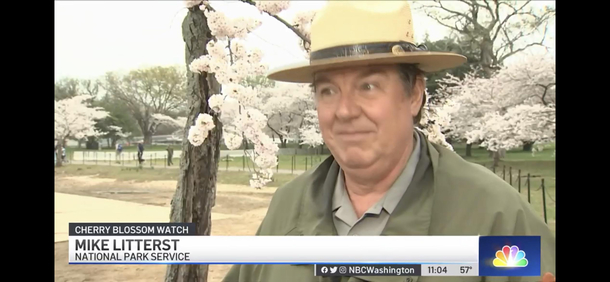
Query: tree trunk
x=487, y=56
x=283, y=141
x=496, y=155
x=468, y=150
x=196, y=189
x=527, y=146
x=148, y=138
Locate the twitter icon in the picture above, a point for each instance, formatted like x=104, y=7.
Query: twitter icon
x=333, y=269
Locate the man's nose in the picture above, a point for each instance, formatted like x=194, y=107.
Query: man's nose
x=348, y=107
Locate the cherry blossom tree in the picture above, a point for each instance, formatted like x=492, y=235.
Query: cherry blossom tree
x=514, y=106
x=75, y=118
x=231, y=61
x=205, y=34
x=286, y=106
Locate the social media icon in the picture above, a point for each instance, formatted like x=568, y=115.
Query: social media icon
x=324, y=269
x=343, y=270
x=333, y=269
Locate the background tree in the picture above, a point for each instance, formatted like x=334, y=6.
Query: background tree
x=499, y=29
x=118, y=117
x=516, y=105
x=451, y=43
x=496, y=29
x=148, y=91
x=285, y=107
x=75, y=118
x=70, y=87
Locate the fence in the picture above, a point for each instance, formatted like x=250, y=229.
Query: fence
x=289, y=164
x=507, y=175
x=230, y=160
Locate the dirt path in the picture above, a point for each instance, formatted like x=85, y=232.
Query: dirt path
x=248, y=204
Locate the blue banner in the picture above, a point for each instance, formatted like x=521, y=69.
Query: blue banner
x=509, y=256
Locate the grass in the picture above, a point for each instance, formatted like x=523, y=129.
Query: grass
x=151, y=174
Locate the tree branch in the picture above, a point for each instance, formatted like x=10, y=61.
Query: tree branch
x=291, y=27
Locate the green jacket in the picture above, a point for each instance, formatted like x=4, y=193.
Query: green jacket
x=448, y=196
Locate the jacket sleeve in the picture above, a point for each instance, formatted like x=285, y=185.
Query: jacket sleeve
x=241, y=272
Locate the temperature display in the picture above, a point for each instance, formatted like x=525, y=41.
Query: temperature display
x=450, y=269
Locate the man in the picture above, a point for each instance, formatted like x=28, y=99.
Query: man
x=384, y=177
x=170, y=155
x=119, y=150
x=141, y=152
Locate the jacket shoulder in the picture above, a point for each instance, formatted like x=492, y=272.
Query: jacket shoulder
x=286, y=203
x=469, y=192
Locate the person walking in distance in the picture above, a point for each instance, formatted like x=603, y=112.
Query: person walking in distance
x=119, y=150
x=141, y=152
x=170, y=155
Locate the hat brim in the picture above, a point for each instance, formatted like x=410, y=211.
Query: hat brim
x=425, y=60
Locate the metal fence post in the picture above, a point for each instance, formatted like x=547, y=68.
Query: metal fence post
x=519, y=177
x=528, y=187
x=305, y=162
x=504, y=172
x=510, y=175
x=543, y=200
x=227, y=165
x=292, y=165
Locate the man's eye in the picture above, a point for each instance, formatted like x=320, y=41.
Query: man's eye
x=326, y=91
x=367, y=86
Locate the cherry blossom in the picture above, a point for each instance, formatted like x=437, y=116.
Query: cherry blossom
x=272, y=7
x=231, y=61
x=514, y=106
x=74, y=118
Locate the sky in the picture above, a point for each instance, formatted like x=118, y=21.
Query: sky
x=95, y=37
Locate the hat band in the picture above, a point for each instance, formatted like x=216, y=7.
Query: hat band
x=344, y=51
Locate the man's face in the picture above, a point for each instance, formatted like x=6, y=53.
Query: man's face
x=364, y=113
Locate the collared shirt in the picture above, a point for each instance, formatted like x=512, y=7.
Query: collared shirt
x=374, y=219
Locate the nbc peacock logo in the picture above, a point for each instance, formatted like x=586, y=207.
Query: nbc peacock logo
x=510, y=257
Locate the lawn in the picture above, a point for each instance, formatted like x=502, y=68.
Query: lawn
x=129, y=173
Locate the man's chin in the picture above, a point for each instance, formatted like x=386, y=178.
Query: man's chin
x=352, y=160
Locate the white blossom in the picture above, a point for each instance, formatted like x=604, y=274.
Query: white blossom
x=514, y=106
x=231, y=61
x=272, y=7
x=74, y=118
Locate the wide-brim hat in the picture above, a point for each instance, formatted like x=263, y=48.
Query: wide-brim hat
x=360, y=33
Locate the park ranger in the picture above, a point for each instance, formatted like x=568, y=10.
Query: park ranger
x=383, y=176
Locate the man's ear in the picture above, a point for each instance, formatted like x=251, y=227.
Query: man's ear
x=417, y=94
